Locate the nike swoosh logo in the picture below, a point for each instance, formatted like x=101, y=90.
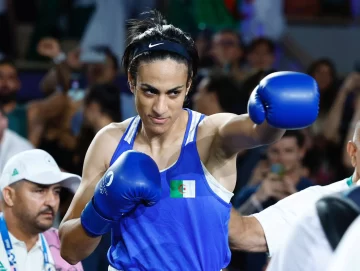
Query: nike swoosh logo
x=153, y=45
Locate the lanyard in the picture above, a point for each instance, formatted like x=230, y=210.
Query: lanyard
x=9, y=249
x=349, y=182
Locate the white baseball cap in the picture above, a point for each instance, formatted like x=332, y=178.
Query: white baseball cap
x=39, y=167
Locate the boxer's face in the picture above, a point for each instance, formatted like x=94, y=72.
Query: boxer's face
x=9, y=83
x=160, y=90
x=286, y=152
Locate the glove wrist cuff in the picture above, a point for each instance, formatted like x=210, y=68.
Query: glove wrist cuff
x=94, y=223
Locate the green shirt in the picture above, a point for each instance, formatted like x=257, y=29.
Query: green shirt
x=18, y=120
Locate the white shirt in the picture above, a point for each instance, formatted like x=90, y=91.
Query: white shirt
x=346, y=256
x=306, y=247
x=10, y=145
x=26, y=261
x=278, y=220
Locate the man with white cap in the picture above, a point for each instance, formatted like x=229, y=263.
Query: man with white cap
x=30, y=185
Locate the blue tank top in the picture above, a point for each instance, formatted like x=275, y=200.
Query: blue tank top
x=187, y=229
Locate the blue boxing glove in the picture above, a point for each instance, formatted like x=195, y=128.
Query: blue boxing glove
x=287, y=100
x=133, y=179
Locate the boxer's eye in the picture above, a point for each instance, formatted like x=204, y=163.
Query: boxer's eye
x=173, y=93
x=149, y=91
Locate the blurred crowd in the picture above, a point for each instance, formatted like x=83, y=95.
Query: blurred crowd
x=85, y=89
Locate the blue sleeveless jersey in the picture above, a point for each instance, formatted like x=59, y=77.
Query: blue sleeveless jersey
x=185, y=230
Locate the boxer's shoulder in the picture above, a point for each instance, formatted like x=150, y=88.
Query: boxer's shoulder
x=108, y=138
x=116, y=129
x=210, y=125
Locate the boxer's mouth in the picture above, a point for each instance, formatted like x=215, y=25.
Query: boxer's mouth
x=157, y=120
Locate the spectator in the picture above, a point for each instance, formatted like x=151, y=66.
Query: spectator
x=24, y=119
x=217, y=93
x=101, y=108
x=30, y=186
x=261, y=55
x=101, y=67
x=203, y=45
x=10, y=142
x=329, y=130
x=324, y=72
x=287, y=154
x=228, y=52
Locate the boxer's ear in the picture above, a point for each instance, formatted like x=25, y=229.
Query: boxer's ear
x=188, y=86
x=131, y=82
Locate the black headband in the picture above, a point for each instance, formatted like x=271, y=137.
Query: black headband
x=162, y=45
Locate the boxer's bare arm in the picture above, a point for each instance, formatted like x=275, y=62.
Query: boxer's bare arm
x=246, y=233
x=238, y=132
x=75, y=243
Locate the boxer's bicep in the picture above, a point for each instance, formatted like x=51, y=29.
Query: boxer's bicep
x=238, y=132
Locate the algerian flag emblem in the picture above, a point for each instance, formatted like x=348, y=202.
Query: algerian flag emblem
x=182, y=189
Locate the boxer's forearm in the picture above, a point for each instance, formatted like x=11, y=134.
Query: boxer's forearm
x=239, y=132
x=76, y=245
x=246, y=233
x=268, y=134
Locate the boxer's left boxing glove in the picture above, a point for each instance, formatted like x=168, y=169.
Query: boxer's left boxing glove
x=133, y=179
x=287, y=100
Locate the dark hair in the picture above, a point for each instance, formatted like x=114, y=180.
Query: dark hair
x=299, y=136
x=259, y=41
x=227, y=90
x=322, y=61
x=109, y=53
x=155, y=29
x=108, y=97
x=232, y=32
x=327, y=95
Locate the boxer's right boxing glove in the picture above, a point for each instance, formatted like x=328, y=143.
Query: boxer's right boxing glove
x=287, y=100
x=133, y=179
